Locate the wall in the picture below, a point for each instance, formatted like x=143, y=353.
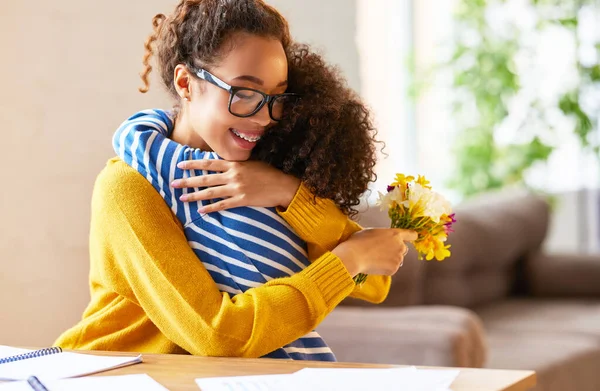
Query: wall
x=69, y=77
x=385, y=46
x=330, y=27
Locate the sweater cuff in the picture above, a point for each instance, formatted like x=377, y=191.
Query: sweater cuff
x=305, y=213
x=332, y=279
x=375, y=290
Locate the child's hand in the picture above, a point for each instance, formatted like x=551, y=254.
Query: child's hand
x=248, y=183
x=378, y=251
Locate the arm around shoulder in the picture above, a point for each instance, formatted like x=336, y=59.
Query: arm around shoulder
x=320, y=223
x=142, y=253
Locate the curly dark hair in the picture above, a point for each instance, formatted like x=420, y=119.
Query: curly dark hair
x=327, y=140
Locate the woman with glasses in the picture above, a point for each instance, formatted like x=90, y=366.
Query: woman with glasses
x=222, y=228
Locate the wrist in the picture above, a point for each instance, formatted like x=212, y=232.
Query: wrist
x=345, y=255
x=290, y=187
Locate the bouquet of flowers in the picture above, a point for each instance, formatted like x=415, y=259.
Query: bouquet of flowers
x=411, y=204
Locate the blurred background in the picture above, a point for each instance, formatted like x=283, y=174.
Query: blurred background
x=479, y=96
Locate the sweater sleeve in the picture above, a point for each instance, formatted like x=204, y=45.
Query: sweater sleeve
x=145, y=257
x=322, y=225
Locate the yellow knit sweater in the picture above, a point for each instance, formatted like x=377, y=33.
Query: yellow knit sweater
x=149, y=292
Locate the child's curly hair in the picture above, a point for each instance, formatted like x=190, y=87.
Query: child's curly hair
x=328, y=139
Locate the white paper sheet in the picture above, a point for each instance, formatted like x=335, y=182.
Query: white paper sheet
x=58, y=366
x=96, y=383
x=334, y=379
x=350, y=379
x=245, y=383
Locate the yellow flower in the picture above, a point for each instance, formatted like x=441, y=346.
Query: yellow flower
x=412, y=204
x=439, y=233
x=440, y=251
x=423, y=182
x=431, y=245
x=424, y=243
x=402, y=180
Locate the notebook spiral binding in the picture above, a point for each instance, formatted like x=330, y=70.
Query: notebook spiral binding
x=25, y=356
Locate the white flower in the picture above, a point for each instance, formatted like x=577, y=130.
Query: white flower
x=417, y=194
x=432, y=204
x=386, y=201
x=437, y=206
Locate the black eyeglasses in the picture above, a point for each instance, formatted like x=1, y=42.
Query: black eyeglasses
x=245, y=102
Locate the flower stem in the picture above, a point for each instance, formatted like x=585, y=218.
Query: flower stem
x=360, y=278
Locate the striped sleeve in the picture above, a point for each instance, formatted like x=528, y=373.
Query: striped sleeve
x=142, y=142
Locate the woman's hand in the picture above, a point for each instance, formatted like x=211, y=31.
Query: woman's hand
x=249, y=183
x=377, y=251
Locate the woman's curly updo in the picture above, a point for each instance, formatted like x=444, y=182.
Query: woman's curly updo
x=328, y=140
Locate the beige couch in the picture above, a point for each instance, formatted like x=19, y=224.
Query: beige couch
x=498, y=302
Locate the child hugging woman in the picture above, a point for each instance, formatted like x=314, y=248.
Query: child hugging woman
x=224, y=226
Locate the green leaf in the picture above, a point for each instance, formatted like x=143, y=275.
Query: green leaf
x=593, y=73
x=569, y=22
x=490, y=82
x=569, y=104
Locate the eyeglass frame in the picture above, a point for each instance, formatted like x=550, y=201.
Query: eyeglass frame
x=268, y=99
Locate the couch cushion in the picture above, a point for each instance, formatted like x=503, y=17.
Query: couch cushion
x=492, y=233
x=436, y=335
x=466, y=289
x=494, y=230
x=562, y=362
x=580, y=317
x=566, y=275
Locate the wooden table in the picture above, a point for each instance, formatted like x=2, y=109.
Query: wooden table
x=177, y=372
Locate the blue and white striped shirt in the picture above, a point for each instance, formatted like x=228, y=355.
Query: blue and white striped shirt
x=242, y=247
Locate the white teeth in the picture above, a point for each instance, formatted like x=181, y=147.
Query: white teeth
x=250, y=139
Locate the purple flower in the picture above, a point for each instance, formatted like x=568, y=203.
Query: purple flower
x=390, y=188
x=448, y=225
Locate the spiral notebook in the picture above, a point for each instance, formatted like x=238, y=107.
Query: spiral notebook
x=53, y=363
x=95, y=383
